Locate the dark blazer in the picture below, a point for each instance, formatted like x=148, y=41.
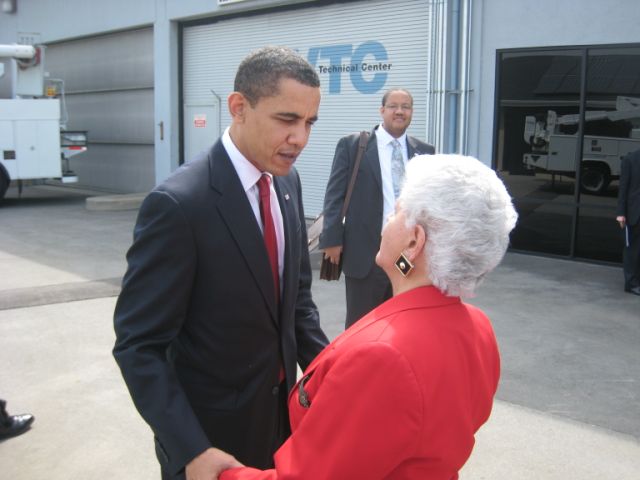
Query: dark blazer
x=360, y=233
x=629, y=192
x=200, y=339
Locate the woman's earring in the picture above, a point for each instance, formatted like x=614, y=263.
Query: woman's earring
x=404, y=265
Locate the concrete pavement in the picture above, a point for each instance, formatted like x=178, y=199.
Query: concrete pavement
x=568, y=404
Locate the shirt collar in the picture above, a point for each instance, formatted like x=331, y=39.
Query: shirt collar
x=247, y=172
x=387, y=138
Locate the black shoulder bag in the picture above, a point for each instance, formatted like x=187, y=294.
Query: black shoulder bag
x=328, y=270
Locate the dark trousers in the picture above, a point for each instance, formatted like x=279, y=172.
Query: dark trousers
x=631, y=258
x=365, y=294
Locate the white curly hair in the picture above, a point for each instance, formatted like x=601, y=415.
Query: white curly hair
x=467, y=215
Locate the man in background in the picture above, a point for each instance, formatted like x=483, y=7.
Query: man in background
x=378, y=183
x=628, y=217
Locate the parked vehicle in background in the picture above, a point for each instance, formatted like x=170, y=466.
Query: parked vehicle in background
x=34, y=142
x=554, y=152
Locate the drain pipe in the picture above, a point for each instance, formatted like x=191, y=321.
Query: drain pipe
x=219, y=112
x=465, y=61
x=436, y=100
x=454, y=73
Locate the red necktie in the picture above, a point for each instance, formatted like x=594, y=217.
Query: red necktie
x=269, y=232
x=270, y=240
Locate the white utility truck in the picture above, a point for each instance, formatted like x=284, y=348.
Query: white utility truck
x=34, y=142
x=555, y=152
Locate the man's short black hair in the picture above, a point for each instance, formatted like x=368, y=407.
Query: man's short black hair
x=260, y=72
x=391, y=90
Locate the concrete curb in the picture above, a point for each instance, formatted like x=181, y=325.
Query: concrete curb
x=102, y=203
x=60, y=293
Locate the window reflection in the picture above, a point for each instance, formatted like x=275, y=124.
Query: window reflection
x=539, y=96
x=612, y=119
x=537, y=145
x=542, y=227
x=599, y=236
x=612, y=129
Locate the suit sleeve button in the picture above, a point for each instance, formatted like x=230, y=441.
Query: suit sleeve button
x=275, y=390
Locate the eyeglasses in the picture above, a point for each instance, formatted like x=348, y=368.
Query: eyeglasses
x=404, y=107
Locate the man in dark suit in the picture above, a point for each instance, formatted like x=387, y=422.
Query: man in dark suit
x=629, y=219
x=216, y=307
x=357, y=236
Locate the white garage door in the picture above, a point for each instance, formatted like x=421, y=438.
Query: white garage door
x=109, y=93
x=360, y=49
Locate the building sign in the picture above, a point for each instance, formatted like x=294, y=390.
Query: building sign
x=358, y=49
x=367, y=65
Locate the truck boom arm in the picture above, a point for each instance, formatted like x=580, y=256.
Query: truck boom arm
x=20, y=52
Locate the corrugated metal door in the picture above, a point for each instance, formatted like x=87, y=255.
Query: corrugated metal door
x=200, y=126
x=359, y=49
x=109, y=92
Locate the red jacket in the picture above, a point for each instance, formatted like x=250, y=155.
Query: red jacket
x=399, y=395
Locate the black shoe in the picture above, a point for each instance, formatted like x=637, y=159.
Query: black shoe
x=15, y=425
x=634, y=290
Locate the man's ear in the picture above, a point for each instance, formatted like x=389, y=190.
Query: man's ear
x=237, y=104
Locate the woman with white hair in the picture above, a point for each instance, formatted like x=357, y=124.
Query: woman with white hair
x=401, y=393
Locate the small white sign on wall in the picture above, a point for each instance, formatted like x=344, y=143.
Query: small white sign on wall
x=200, y=120
x=202, y=129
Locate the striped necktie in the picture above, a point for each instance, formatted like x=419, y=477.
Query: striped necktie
x=397, y=167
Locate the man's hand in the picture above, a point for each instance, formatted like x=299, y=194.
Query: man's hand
x=209, y=464
x=621, y=220
x=333, y=254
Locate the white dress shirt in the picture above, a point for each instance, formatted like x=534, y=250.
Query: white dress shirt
x=249, y=176
x=385, y=150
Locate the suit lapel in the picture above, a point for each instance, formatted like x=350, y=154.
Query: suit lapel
x=285, y=199
x=411, y=148
x=371, y=157
x=236, y=212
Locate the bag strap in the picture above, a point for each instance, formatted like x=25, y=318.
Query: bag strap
x=362, y=146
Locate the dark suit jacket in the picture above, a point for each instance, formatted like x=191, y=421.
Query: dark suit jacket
x=199, y=335
x=360, y=234
x=629, y=192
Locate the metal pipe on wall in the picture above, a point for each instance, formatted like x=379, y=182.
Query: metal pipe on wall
x=449, y=76
x=465, y=61
x=436, y=75
x=453, y=90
